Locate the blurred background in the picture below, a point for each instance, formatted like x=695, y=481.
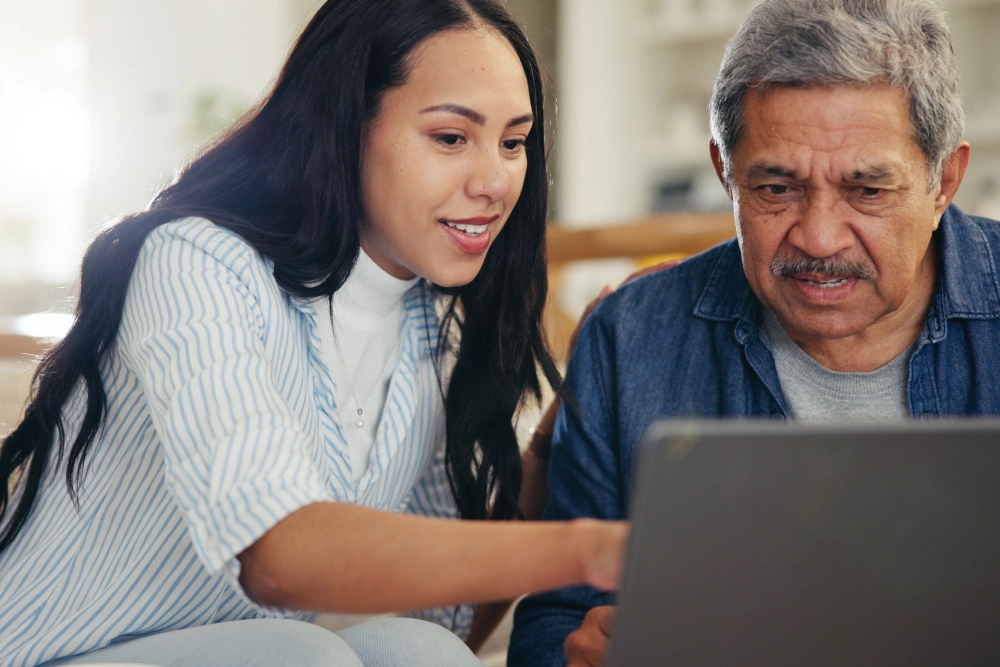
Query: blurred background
x=101, y=100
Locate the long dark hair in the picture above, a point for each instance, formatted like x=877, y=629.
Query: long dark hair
x=287, y=179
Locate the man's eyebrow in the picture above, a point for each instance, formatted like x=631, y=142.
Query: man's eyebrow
x=759, y=171
x=873, y=175
x=475, y=116
x=877, y=174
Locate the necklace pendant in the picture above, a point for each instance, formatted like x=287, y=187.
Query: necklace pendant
x=360, y=423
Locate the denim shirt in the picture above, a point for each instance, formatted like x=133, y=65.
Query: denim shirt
x=689, y=342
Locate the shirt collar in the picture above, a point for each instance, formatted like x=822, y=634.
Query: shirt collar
x=419, y=308
x=967, y=286
x=371, y=294
x=727, y=295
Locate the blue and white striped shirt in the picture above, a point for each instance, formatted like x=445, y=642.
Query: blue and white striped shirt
x=220, y=422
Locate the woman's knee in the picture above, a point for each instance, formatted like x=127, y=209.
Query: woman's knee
x=290, y=642
x=391, y=642
x=249, y=643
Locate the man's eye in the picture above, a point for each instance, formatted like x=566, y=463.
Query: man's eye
x=868, y=193
x=776, y=189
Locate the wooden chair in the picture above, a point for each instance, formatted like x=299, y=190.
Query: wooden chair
x=16, y=346
x=677, y=234
x=18, y=354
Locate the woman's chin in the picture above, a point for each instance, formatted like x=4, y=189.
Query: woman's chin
x=455, y=275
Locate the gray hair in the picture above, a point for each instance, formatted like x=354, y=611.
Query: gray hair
x=896, y=43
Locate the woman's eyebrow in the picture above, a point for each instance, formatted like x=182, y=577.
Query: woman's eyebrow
x=521, y=120
x=475, y=116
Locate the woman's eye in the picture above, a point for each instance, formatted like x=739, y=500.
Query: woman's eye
x=449, y=139
x=512, y=145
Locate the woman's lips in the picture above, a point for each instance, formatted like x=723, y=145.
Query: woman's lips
x=471, y=235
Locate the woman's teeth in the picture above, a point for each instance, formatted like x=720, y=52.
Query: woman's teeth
x=471, y=230
x=828, y=283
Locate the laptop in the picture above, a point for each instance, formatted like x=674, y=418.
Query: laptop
x=773, y=543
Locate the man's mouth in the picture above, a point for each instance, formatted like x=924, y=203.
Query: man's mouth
x=826, y=284
x=826, y=273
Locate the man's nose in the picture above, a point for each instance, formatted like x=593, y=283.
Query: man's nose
x=823, y=227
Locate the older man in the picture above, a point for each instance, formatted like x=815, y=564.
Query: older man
x=854, y=289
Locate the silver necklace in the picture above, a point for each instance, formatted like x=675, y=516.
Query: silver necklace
x=359, y=423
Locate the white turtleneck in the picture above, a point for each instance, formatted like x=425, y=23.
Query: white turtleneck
x=365, y=328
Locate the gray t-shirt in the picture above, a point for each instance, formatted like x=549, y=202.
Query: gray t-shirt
x=815, y=393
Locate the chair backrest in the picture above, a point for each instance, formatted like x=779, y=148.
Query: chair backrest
x=675, y=234
x=16, y=345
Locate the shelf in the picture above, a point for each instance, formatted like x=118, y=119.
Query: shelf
x=678, y=38
x=693, y=26
x=961, y=4
x=666, y=154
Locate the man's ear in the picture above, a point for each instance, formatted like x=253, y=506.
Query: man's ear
x=720, y=167
x=951, y=177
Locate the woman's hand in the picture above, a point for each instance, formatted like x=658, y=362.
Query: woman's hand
x=602, y=549
x=588, y=646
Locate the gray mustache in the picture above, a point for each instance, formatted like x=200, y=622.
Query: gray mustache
x=834, y=267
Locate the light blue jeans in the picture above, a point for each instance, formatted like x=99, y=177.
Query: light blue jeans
x=389, y=642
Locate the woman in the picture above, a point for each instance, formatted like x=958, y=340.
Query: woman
x=367, y=247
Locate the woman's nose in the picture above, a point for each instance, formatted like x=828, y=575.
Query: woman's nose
x=489, y=177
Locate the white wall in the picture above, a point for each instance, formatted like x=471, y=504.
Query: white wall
x=43, y=138
x=164, y=76
x=600, y=180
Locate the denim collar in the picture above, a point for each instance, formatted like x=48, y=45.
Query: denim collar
x=967, y=286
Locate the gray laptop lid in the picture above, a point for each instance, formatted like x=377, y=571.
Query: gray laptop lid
x=767, y=543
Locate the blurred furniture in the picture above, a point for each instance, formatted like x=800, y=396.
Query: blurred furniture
x=676, y=234
x=19, y=354
x=16, y=345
